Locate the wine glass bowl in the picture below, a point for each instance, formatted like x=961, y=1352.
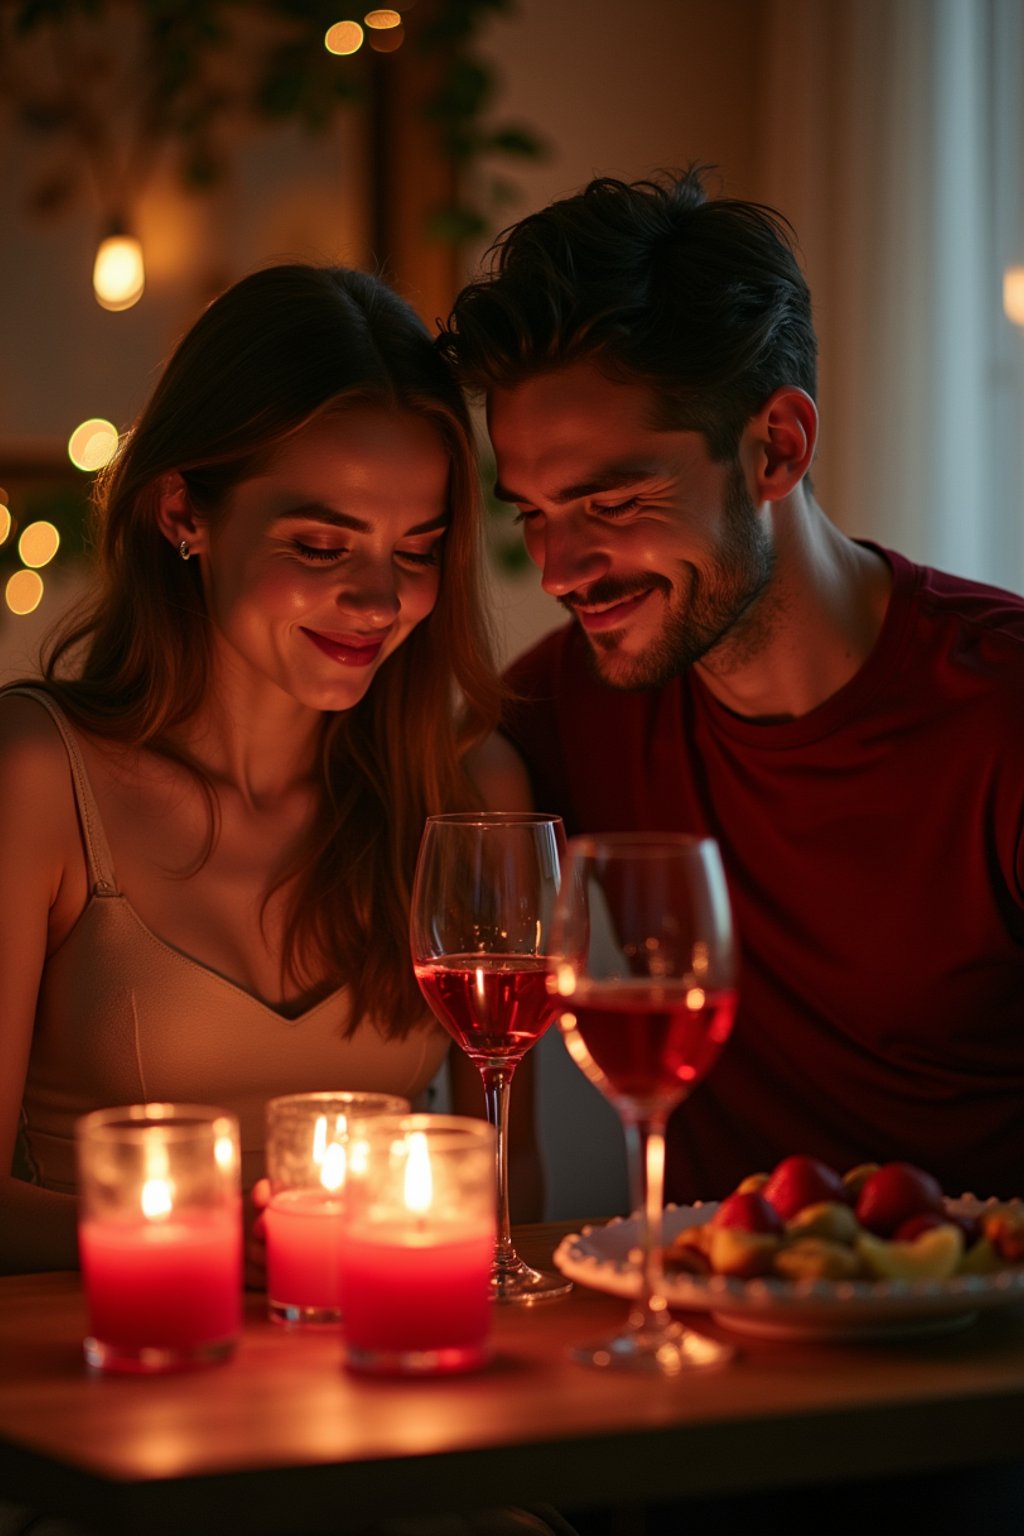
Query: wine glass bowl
x=483, y=899
x=644, y=967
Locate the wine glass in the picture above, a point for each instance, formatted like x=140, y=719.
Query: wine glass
x=482, y=900
x=644, y=966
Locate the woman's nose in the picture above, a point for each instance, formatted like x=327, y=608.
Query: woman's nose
x=371, y=591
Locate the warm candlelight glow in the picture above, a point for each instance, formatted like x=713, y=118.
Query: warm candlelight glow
x=38, y=544
x=92, y=444
x=118, y=274
x=419, y=1183
x=332, y=1171
x=156, y=1199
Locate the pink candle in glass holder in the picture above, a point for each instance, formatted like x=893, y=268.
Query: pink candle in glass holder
x=160, y=1236
x=419, y=1231
x=307, y=1154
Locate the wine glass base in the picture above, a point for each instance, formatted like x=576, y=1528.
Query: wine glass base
x=668, y=1351
x=516, y=1282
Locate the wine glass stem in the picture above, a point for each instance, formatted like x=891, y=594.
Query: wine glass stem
x=497, y=1083
x=645, y=1141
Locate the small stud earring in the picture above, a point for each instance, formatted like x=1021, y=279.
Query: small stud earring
x=183, y=550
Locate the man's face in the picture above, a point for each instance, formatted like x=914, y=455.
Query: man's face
x=657, y=551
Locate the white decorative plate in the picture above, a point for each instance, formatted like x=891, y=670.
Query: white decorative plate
x=832, y=1309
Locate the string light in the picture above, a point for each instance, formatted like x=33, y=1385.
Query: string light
x=24, y=592
x=119, y=273
x=345, y=37
x=38, y=544
x=92, y=444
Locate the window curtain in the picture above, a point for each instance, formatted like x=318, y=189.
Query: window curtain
x=891, y=133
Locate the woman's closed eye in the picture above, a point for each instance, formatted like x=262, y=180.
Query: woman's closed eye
x=318, y=552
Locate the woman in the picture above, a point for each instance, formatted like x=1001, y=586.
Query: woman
x=210, y=808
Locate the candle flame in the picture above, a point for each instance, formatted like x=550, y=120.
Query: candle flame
x=419, y=1183
x=332, y=1169
x=157, y=1198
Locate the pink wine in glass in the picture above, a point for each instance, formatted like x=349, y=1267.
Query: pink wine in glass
x=494, y=1006
x=645, y=1042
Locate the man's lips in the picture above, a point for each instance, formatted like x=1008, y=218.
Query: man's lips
x=596, y=617
x=349, y=650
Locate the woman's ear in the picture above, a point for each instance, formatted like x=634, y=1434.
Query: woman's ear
x=784, y=434
x=176, y=519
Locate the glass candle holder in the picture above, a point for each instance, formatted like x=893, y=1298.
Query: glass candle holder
x=160, y=1236
x=307, y=1153
x=419, y=1228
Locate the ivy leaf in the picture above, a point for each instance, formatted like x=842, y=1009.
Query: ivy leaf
x=514, y=139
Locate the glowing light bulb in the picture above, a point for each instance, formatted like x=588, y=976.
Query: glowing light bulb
x=92, y=444
x=118, y=274
x=1013, y=294
x=344, y=37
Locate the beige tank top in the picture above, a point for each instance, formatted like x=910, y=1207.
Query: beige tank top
x=123, y=1018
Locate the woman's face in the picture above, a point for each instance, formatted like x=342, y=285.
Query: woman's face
x=319, y=568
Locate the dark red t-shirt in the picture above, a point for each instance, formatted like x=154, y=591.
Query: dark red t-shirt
x=874, y=855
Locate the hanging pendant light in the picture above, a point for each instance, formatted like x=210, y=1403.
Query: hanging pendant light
x=119, y=273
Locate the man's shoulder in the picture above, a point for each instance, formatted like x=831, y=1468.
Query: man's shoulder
x=962, y=600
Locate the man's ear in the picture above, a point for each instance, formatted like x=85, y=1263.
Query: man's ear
x=782, y=438
x=175, y=517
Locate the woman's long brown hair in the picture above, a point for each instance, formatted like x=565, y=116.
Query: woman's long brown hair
x=271, y=353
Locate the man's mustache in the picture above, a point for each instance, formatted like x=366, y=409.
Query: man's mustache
x=609, y=590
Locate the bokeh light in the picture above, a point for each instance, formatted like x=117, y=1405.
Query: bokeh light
x=118, y=274
x=6, y=522
x=24, y=592
x=92, y=444
x=38, y=544
x=387, y=40
x=344, y=37
x=383, y=18
x=1013, y=294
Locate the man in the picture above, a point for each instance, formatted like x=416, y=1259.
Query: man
x=848, y=725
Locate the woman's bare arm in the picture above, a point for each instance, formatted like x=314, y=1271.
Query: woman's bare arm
x=37, y=1226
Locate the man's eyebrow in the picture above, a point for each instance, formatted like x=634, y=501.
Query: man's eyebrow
x=316, y=512
x=612, y=479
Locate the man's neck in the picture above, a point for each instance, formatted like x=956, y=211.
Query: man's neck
x=812, y=629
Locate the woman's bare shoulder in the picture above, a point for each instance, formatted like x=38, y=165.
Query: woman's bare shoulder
x=33, y=758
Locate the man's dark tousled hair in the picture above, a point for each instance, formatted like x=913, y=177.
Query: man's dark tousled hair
x=700, y=298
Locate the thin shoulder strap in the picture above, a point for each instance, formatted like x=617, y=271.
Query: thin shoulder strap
x=97, y=851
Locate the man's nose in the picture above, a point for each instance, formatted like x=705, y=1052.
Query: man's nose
x=569, y=556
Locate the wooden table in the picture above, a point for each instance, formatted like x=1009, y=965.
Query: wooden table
x=283, y=1440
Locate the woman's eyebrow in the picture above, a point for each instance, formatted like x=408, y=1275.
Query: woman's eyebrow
x=317, y=512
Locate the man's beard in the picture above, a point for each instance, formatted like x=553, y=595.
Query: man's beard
x=707, y=614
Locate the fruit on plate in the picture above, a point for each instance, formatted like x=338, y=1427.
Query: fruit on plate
x=816, y=1258
x=829, y=1220
x=735, y=1251
x=934, y=1255
x=894, y=1193
x=750, y=1211
x=889, y=1222
x=800, y=1180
